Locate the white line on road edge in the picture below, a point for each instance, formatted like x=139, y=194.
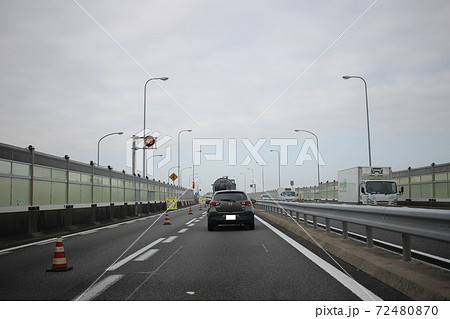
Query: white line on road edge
x=87, y=232
x=350, y=283
x=132, y=256
x=99, y=287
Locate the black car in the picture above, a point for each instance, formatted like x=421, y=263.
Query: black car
x=231, y=207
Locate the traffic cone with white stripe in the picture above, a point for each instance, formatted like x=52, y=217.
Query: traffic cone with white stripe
x=59, y=258
x=167, y=220
x=200, y=207
x=190, y=210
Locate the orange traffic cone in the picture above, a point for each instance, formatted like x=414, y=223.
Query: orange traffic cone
x=167, y=220
x=200, y=207
x=190, y=210
x=59, y=258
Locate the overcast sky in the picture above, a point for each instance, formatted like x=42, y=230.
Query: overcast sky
x=243, y=72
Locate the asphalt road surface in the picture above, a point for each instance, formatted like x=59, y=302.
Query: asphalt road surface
x=143, y=259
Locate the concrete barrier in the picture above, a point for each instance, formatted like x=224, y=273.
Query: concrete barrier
x=40, y=220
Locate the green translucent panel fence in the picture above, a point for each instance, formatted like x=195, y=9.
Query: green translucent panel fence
x=30, y=184
x=432, y=182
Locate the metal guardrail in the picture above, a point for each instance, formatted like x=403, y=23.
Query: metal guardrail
x=426, y=223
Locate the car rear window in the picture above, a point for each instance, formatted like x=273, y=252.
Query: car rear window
x=231, y=196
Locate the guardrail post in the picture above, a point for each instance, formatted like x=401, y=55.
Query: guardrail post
x=92, y=182
x=67, y=178
x=344, y=230
x=31, y=148
x=110, y=184
x=327, y=224
x=406, y=240
x=305, y=219
x=315, y=221
x=369, y=236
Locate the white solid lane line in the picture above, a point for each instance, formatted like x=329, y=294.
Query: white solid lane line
x=350, y=283
x=98, y=288
x=132, y=256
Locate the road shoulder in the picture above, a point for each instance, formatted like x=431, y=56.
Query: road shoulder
x=415, y=279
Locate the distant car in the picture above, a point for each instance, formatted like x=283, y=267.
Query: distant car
x=265, y=197
x=230, y=207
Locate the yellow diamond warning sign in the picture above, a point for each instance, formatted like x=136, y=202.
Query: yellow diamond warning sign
x=173, y=177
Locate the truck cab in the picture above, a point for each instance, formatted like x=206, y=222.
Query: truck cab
x=367, y=186
x=379, y=192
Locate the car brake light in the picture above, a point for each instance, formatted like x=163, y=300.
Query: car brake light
x=246, y=202
x=214, y=203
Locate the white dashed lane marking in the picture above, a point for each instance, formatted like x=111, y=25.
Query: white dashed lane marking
x=146, y=255
x=132, y=256
x=170, y=239
x=99, y=287
x=193, y=219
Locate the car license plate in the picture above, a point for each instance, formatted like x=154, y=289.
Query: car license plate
x=231, y=217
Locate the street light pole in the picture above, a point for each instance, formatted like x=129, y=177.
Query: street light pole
x=245, y=182
x=179, y=152
x=318, y=154
x=98, y=145
x=253, y=178
x=181, y=172
x=145, y=117
x=346, y=77
x=262, y=176
x=279, y=169
x=193, y=170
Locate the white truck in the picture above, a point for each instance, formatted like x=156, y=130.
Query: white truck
x=367, y=186
x=286, y=194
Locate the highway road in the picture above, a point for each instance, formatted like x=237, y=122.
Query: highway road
x=143, y=259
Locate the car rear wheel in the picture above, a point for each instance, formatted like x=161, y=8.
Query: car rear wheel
x=251, y=226
x=210, y=227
